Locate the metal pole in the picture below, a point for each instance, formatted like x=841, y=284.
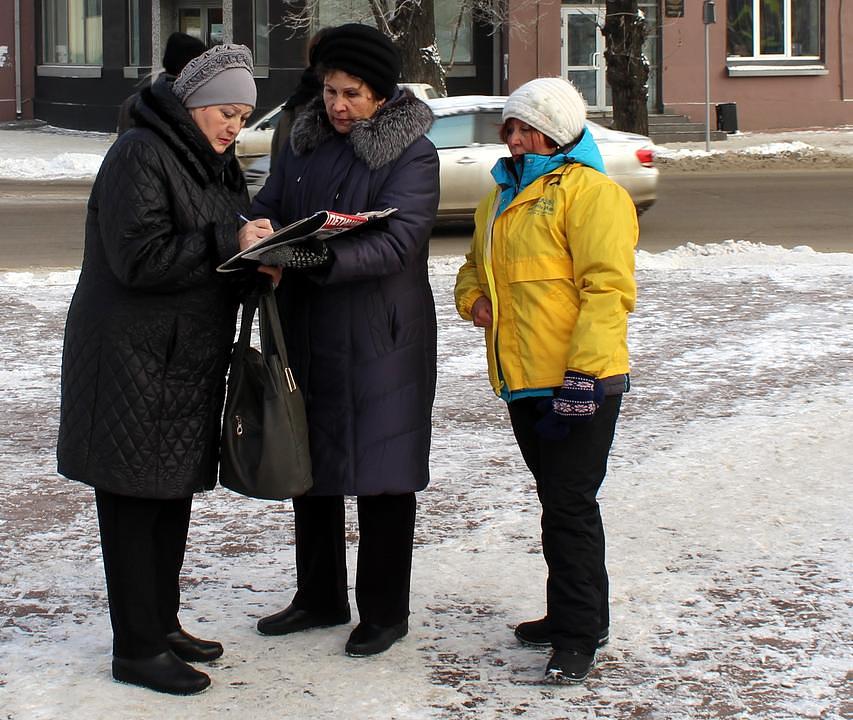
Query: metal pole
x=709, y=16
x=18, y=87
x=707, y=91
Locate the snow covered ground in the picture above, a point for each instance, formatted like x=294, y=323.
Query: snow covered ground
x=727, y=506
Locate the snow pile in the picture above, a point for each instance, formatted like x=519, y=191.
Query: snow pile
x=776, y=148
x=727, y=507
x=60, y=167
x=738, y=253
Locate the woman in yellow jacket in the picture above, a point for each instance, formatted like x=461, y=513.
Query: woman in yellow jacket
x=550, y=276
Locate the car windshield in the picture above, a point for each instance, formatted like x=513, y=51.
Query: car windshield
x=266, y=121
x=452, y=131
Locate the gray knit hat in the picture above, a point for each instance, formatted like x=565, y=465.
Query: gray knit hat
x=551, y=105
x=221, y=76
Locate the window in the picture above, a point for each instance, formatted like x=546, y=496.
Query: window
x=72, y=33
x=476, y=128
x=262, y=31
x=774, y=29
x=449, y=14
x=133, y=33
x=453, y=32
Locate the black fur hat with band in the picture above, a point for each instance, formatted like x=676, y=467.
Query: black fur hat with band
x=361, y=51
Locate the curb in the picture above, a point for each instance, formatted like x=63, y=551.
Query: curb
x=22, y=124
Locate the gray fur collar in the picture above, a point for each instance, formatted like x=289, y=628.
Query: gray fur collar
x=377, y=141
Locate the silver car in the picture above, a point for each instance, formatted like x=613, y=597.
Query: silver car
x=465, y=133
x=254, y=140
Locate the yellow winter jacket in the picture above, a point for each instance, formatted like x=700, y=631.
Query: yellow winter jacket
x=559, y=270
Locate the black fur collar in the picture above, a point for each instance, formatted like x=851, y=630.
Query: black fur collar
x=377, y=141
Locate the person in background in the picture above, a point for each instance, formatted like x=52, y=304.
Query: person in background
x=180, y=49
x=146, y=350
x=550, y=276
x=308, y=89
x=359, y=321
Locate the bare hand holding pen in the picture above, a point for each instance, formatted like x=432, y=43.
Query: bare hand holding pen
x=251, y=233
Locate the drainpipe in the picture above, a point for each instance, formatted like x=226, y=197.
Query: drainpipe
x=18, y=113
x=841, y=50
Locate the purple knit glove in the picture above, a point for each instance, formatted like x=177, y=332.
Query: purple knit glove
x=576, y=401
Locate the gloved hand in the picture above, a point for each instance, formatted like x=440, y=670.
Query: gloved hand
x=576, y=401
x=298, y=257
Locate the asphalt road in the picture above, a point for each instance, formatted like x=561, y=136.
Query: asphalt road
x=776, y=207
x=41, y=224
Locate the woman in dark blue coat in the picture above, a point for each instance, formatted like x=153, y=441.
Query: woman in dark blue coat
x=359, y=320
x=147, y=342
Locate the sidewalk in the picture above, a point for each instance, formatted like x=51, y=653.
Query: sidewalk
x=55, y=153
x=836, y=140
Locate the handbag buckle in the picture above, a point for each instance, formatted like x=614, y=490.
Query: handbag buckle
x=291, y=383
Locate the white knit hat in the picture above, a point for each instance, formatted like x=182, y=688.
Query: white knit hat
x=551, y=105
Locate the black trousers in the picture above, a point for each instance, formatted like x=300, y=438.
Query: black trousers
x=568, y=475
x=386, y=527
x=143, y=543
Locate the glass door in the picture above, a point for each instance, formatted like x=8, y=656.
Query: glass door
x=189, y=22
x=204, y=23
x=583, y=53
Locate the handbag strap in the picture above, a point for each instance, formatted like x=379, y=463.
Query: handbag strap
x=272, y=337
x=250, y=306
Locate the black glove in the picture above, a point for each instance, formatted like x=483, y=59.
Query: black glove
x=576, y=401
x=298, y=257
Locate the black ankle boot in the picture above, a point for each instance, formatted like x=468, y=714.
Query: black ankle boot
x=537, y=633
x=165, y=673
x=369, y=639
x=193, y=649
x=293, y=619
x=568, y=667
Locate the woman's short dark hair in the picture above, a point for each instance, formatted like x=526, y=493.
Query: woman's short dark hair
x=504, y=133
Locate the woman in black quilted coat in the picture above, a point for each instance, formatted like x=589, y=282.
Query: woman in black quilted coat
x=147, y=344
x=359, y=319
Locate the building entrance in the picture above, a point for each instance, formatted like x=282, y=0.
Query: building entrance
x=204, y=22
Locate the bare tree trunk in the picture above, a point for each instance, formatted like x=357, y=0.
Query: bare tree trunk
x=412, y=29
x=627, y=68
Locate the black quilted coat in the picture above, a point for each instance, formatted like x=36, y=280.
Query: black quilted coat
x=362, y=335
x=151, y=323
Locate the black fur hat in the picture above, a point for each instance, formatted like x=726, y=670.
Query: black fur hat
x=362, y=51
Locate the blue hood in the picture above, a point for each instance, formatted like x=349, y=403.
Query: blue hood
x=514, y=176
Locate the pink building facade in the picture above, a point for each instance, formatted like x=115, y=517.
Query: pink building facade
x=782, y=63
x=800, y=76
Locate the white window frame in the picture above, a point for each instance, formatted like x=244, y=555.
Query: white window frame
x=777, y=64
x=786, y=54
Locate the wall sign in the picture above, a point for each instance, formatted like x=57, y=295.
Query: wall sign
x=674, y=8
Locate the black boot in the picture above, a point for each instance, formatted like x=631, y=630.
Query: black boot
x=293, y=619
x=165, y=673
x=193, y=649
x=568, y=667
x=537, y=633
x=369, y=639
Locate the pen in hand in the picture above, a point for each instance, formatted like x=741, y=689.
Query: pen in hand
x=242, y=217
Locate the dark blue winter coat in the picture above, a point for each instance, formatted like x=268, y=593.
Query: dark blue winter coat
x=361, y=335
